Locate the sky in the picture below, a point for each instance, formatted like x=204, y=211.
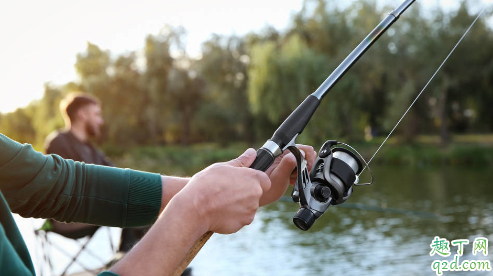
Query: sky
x=39, y=40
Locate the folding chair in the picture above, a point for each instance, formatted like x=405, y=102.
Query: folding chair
x=71, y=231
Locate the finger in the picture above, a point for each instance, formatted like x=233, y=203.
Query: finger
x=264, y=180
x=244, y=160
x=285, y=168
x=310, y=155
x=293, y=177
x=310, y=158
x=308, y=150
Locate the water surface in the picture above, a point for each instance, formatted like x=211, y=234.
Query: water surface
x=454, y=204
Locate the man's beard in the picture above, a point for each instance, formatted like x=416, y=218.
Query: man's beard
x=92, y=131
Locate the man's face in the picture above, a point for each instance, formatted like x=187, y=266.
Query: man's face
x=91, y=115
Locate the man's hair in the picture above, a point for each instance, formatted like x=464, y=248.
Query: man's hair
x=75, y=101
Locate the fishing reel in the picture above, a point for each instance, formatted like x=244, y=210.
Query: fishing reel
x=330, y=182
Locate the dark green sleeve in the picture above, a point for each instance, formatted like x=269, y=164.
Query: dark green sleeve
x=108, y=273
x=14, y=256
x=48, y=186
x=10, y=261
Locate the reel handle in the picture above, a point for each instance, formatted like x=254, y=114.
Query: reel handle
x=304, y=219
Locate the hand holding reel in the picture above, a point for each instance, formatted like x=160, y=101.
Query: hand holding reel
x=330, y=182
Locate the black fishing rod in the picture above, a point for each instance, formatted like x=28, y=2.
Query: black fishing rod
x=293, y=126
x=338, y=165
x=335, y=170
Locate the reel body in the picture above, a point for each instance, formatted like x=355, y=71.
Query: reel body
x=330, y=182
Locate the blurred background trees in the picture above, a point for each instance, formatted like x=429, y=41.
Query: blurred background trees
x=242, y=87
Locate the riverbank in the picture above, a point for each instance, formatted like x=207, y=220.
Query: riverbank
x=464, y=151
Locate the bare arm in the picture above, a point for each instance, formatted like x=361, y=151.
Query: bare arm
x=222, y=198
x=166, y=243
x=280, y=173
x=171, y=186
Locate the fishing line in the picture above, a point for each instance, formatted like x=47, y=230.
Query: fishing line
x=417, y=97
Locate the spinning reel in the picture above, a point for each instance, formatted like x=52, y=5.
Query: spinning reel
x=330, y=182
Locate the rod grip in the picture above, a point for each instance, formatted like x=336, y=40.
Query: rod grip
x=263, y=161
x=192, y=253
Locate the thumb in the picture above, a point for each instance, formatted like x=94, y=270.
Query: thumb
x=244, y=160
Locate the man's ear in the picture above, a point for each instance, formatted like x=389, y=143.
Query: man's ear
x=81, y=114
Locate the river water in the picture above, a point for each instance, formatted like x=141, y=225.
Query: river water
x=346, y=241
x=452, y=203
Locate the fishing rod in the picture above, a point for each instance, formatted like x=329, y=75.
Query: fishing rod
x=338, y=165
x=336, y=169
x=293, y=126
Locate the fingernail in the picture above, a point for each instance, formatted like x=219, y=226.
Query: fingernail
x=302, y=153
x=250, y=152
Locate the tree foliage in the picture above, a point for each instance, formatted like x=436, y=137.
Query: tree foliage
x=242, y=87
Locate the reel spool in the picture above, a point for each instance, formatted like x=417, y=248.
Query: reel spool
x=335, y=171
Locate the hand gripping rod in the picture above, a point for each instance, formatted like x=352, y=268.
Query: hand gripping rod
x=286, y=134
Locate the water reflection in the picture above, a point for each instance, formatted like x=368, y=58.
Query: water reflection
x=360, y=242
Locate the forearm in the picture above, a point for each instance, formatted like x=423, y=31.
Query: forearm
x=221, y=198
x=171, y=186
x=48, y=186
x=167, y=242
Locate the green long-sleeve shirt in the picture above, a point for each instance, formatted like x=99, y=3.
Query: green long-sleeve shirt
x=47, y=186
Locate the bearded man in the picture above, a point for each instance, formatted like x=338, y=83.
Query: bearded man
x=83, y=121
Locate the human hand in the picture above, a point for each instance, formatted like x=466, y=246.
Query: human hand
x=222, y=198
x=281, y=173
x=226, y=195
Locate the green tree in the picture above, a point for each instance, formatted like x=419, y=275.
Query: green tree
x=45, y=113
x=18, y=126
x=223, y=67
